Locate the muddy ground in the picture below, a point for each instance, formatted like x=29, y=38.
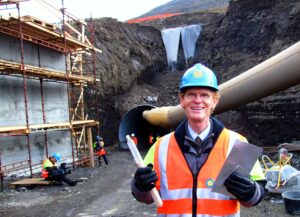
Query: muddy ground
x=105, y=192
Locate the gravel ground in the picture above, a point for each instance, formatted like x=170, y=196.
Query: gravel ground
x=105, y=192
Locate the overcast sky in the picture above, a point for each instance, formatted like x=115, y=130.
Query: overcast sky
x=120, y=9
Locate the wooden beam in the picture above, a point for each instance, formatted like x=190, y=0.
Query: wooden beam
x=90, y=145
x=14, y=130
x=8, y=2
x=41, y=30
x=16, y=68
x=30, y=182
x=41, y=127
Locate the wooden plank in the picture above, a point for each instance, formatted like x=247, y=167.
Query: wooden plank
x=36, y=30
x=55, y=125
x=43, y=73
x=84, y=123
x=29, y=18
x=30, y=182
x=14, y=129
x=8, y=2
x=39, y=31
x=41, y=127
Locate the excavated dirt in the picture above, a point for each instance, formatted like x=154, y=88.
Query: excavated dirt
x=106, y=192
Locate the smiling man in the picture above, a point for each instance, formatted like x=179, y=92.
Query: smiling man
x=187, y=162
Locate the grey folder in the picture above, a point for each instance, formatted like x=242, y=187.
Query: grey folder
x=242, y=159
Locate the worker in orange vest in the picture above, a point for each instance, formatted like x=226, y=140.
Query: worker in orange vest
x=184, y=165
x=100, y=151
x=134, y=138
x=52, y=173
x=151, y=139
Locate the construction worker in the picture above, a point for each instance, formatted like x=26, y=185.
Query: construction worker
x=183, y=165
x=52, y=173
x=134, y=138
x=100, y=151
x=151, y=139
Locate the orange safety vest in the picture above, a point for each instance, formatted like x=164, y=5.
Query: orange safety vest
x=101, y=152
x=151, y=139
x=180, y=194
x=45, y=173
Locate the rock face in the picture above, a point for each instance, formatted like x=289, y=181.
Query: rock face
x=252, y=32
x=133, y=65
x=132, y=54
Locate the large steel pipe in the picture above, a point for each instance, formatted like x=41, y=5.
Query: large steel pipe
x=133, y=122
x=273, y=75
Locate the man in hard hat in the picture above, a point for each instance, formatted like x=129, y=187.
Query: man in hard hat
x=151, y=139
x=100, y=151
x=52, y=173
x=186, y=162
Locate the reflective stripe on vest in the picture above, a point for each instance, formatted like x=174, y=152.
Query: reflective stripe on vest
x=45, y=173
x=101, y=152
x=176, y=192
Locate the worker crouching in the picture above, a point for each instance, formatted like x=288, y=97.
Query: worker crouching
x=51, y=173
x=183, y=165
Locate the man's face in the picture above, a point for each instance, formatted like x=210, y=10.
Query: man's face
x=53, y=159
x=198, y=103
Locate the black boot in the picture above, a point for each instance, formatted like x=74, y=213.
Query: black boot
x=69, y=181
x=72, y=183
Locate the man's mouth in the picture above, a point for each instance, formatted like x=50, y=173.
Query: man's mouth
x=197, y=108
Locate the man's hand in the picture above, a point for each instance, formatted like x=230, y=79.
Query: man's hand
x=63, y=165
x=145, y=178
x=240, y=186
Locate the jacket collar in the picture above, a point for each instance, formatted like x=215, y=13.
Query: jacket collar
x=181, y=131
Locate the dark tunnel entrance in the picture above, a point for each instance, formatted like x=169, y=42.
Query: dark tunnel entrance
x=133, y=122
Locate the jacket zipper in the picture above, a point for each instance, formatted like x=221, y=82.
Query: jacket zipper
x=194, y=198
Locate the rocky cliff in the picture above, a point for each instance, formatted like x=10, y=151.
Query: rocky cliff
x=133, y=65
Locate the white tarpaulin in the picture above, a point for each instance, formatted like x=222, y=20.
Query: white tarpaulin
x=189, y=37
x=171, y=42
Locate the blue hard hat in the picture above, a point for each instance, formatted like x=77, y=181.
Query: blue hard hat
x=57, y=156
x=199, y=76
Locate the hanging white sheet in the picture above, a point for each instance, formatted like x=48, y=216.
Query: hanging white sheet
x=171, y=42
x=189, y=37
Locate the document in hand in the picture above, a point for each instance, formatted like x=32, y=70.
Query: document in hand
x=242, y=159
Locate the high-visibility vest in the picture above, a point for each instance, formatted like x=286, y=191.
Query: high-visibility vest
x=46, y=163
x=151, y=139
x=101, y=152
x=180, y=194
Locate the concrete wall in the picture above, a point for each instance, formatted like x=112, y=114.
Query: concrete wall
x=12, y=111
x=34, y=54
x=14, y=149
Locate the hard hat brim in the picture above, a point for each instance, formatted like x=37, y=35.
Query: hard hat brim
x=184, y=88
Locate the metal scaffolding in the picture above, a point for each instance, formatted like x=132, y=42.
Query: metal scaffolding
x=80, y=55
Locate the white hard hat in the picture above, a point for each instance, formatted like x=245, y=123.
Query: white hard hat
x=132, y=134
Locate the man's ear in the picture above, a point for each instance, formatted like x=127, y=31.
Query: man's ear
x=181, y=96
x=216, y=98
